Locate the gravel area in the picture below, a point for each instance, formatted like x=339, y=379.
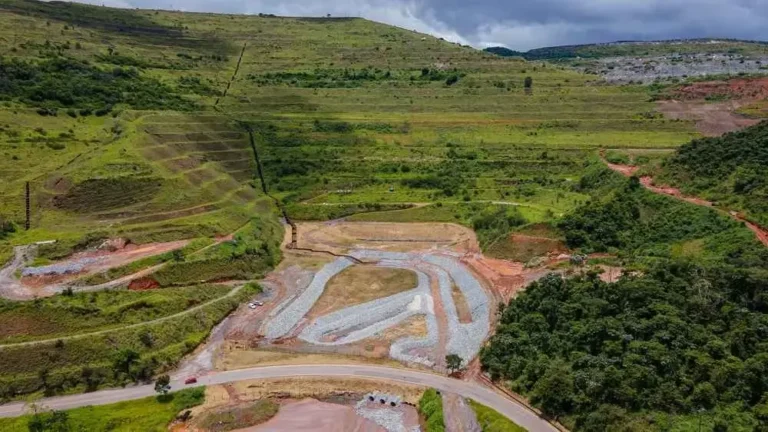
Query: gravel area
x=355, y=323
x=60, y=269
x=391, y=419
x=463, y=339
x=648, y=69
x=292, y=314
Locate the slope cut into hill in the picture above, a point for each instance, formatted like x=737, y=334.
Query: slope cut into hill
x=731, y=170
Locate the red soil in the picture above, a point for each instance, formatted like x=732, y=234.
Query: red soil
x=760, y=232
x=505, y=277
x=143, y=284
x=741, y=88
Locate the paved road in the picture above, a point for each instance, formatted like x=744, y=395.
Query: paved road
x=511, y=409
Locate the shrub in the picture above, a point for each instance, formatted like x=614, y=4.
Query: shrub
x=431, y=408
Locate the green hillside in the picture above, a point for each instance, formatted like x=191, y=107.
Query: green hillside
x=640, y=49
x=731, y=170
x=149, y=147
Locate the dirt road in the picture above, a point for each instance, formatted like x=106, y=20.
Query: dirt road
x=10, y=287
x=514, y=411
x=626, y=170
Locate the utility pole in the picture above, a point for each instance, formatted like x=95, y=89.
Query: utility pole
x=27, y=221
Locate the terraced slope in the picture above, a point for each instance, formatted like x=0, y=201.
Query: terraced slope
x=346, y=112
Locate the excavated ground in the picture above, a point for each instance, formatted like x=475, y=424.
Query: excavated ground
x=355, y=314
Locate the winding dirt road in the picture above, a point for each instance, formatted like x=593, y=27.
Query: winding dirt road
x=628, y=171
x=514, y=411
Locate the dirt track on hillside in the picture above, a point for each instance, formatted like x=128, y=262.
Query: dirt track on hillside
x=647, y=181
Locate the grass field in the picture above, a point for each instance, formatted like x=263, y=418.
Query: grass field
x=88, y=312
x=152, y=414
x=349, y=105
x=118, y=356
x=491, y=420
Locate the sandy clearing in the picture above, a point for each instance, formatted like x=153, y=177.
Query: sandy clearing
x=340, y=237
x=360, y=284
x=313, y=415
x=712, y=119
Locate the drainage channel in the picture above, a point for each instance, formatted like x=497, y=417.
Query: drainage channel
x=260, y=170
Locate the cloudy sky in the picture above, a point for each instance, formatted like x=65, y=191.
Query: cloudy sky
x=520, y=25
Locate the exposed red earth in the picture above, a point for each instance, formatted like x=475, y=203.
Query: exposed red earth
x=694, y=102
x=647, y=181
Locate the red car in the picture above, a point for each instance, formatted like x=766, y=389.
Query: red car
x=190, y=380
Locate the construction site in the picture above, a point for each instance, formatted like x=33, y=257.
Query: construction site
x=380, y=292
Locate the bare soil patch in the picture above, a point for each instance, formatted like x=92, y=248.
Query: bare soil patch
x=462, y=308
x=505, y=277
x=712, y=119
x=361, y=284
x=691, y=102
x=739, y=88
x=341, y=237
x=236, y=355
x=415, y=326
x=313, y=415
x=322, y=388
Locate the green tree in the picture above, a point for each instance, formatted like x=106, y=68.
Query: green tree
x=553, y=392
x=454, y=362
x=704, y=395
x=163, y=384
x=123, y=360
x=178, y=255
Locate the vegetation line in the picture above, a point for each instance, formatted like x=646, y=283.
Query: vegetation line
x=265, y=189
x=234, y=75
x=260, y=172
x=231, y=293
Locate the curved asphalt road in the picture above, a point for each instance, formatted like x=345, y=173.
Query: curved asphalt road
x=514, y=411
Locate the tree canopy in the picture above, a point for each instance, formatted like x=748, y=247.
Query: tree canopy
x=61, y=82
x=676, y=339
x=731, y=170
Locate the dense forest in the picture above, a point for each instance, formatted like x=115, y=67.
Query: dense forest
x=676, y=339
x=634, y=222
x=731, y=170
x=679, y=337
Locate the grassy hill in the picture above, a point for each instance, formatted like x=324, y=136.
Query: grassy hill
x=729, y=170
x=346, y=112
x=640, y=49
